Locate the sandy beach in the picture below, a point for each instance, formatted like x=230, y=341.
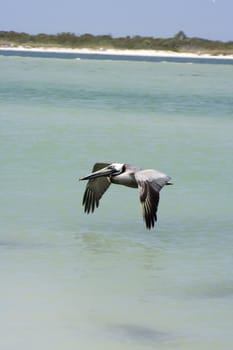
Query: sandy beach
x=103, y=51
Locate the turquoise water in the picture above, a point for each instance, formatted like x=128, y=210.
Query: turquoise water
x=72, y=281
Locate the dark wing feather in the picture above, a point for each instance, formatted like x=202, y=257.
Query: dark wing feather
x=95, y=189
x=150, y=182
x=98, y=166
x=149, y=198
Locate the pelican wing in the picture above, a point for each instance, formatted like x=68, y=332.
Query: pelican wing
x=150, y=182
x=95, y=189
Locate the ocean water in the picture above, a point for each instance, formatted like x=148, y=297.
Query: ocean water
x=102, y=281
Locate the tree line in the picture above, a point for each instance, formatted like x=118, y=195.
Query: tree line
x=178, y=43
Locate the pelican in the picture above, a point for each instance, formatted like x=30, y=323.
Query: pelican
x=149, y=182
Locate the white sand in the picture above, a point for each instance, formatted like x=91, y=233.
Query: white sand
x=149, y=53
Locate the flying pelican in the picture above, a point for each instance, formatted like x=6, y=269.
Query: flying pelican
x=149, y=182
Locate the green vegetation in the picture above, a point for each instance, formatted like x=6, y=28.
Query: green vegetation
x=179, y=43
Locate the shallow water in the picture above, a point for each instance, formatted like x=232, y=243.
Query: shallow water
x=71, y=281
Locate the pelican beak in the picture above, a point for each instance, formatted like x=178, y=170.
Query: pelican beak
x=99, y=173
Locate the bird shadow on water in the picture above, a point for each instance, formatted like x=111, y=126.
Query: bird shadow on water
x=140, y=334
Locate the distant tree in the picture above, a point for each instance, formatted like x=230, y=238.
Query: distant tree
x=180, y=36
x=66, y=38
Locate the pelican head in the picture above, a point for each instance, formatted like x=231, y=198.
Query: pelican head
x=112, y=169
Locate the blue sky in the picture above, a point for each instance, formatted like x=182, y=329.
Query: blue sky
x=211, y=19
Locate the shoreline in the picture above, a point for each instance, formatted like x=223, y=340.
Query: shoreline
x=116, y=52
